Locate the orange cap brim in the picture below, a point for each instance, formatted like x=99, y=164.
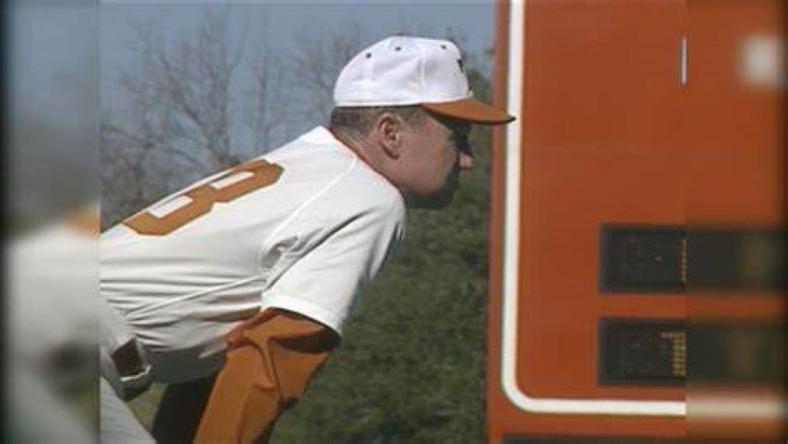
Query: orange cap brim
x=470, y=110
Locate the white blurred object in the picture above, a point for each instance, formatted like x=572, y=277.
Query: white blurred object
x=36, y=415
x=53, y=287
x=761, y=61
x=52, y=291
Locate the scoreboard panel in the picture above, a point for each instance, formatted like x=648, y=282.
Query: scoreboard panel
x=600, y=190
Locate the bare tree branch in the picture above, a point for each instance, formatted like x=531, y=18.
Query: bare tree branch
x=317, y=62
x=197, y=103
x=184, y=98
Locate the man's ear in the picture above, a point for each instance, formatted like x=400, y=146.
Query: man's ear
x=388, y=128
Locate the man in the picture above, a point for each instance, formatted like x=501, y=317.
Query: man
x=251, y=272
x=51, y=330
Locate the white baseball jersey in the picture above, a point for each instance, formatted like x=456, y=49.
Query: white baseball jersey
x=302, y=228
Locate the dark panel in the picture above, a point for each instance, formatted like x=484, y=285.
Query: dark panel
x=737, y=352
x=736, y=258
x=642, y=352
x=642, y=259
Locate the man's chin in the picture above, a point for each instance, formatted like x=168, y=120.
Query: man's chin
x=435, y=201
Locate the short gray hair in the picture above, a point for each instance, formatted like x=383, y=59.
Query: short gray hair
x=358, y=120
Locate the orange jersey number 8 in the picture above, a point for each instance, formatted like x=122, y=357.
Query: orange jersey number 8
x=204, y=196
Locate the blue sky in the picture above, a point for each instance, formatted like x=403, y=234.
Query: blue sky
x=64, y=57
x=280, y=25
x=53, y=60
x=64, y=52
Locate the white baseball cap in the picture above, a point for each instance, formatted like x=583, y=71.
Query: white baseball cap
x=402, y=70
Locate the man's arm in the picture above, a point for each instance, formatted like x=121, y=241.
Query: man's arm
x=270, y=361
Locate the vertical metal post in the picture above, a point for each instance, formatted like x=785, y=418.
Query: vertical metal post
x=683, y=67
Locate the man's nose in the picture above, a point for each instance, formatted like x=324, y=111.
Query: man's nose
x=464, y=161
